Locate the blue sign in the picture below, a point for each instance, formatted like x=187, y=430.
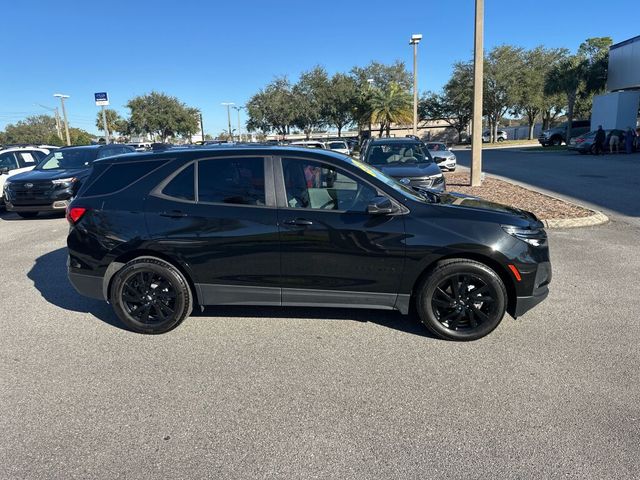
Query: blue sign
x=101, y=98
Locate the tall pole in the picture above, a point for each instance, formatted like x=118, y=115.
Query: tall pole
x=64, y=114
x=104, y=125
x=202, y=127
x=229, y=105
x=58, y=126
x=415, y=88
x=237, y=109
x=478, y=74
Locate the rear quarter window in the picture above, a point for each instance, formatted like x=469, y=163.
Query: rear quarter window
x=118, y=176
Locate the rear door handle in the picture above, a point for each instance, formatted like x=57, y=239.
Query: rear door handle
x=173, y=214
x=300, y=222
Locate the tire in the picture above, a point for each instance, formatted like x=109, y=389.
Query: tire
x=28, y=214
x=556, y=141
x=592, y=150
x=155, y=289
x=456, y=316
x=500, y=139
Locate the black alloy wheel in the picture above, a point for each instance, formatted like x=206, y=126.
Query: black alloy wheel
x=150, y=296
x=462, y=300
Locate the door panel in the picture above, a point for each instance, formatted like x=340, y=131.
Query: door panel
x=329, y=242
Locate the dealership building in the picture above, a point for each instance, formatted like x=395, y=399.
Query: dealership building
x=618, y=108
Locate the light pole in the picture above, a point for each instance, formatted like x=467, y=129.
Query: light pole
x=64, y=114
x=229, y=105
x=478, y=74
x=370, y=82
x=237, y=109
x=415, y=40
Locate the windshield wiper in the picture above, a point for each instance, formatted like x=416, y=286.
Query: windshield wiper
x=429, y=195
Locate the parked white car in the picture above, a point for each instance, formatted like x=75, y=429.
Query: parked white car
x=17, y=160
x=339, y=146
x=442, y=155
x=309, y=144
x=501, y=137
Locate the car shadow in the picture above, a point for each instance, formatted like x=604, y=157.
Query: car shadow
x=12, y=216
x=49, y=276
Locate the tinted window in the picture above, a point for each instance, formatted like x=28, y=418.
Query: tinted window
x=231, y=180
x=320, y=186
x=8, y=160
x=119, y=176
x=397, y=154
x=182, y=185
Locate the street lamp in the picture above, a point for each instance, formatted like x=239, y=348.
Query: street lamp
x=237, y=109
x=64, y=114
x=229, y=105
x=415, y=40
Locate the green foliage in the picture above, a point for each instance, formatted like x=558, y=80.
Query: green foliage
x=392, y=105
x=271, y=109
x=310, y=100
x=383, y=75
x=115, y=123
x=341, y=97
x=455, y=104
x=38, y=129
x=161, y=115
x=79, y=136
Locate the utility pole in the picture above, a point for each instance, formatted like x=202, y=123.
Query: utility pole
x=64, y=114
x=229, y=105
x=478, y=78
x=57, y=117
x=104, y=124
x=202, y=127
x=415, y=40
x=237, y=109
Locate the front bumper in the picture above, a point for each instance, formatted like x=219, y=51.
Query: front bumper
x=57, y=206
x=539, y=290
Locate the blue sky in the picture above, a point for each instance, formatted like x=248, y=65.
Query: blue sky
x=206, y=53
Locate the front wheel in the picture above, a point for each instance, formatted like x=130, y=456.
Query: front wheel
x=556, y=141
x=150, y=295
x=461, y=300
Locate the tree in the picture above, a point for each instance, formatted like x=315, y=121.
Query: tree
x=79, y=136
x=341, y=100
x=271, y=109
x=392, y=105
x=501, y=76
x=37, y=129
x=115, y=123
x=162, y=115
x=309, y=100
x=567, y=77
x=383, y=75
x=455, y=104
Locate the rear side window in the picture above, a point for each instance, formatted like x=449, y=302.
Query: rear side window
x=182, y=186
x=231, y=180
x=119, y=176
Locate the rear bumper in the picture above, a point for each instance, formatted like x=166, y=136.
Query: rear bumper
x=87, y=285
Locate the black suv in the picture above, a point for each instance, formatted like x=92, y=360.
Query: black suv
x=405, y=159
x=157, y=234
x=55, y=180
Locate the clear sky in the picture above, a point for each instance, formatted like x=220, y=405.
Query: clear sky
x=209, y=52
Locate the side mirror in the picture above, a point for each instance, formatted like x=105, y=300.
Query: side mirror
x=380, y=206
x=4, y=170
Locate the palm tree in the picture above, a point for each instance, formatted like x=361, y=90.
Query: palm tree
x=567, y=78
x=392, y=105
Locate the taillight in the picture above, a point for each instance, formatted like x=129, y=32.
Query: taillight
x=74, y=214
x=580, y=140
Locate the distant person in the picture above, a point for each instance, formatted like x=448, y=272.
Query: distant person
x=614, y=140
x=601, y=136
x=629, y=138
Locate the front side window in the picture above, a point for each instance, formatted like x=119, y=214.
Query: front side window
x=8, y=160
x=238, y=181
x=316, y=185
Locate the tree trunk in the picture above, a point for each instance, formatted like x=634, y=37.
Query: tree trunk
x=495, y=132
x=339, y=131
x=381, y=129
x=388, y=129
x=531, y=127
x=571, y=101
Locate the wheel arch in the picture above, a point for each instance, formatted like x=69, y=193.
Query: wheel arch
x=478, y=257
x=122, y=259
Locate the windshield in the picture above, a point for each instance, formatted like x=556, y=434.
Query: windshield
x=67, y=159
x=436, y=147
x=407, y=192
x=397, y=154
x=334, y=145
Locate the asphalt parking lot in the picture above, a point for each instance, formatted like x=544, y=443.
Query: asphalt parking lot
x=294, y=393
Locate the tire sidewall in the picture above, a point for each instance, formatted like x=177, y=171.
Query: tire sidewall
x=171, y=274
x=425, y=309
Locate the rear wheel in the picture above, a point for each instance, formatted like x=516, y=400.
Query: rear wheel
x=461, y=300
x=151, y=296
x=28, y=214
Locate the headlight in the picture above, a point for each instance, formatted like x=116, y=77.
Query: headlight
x=437, y=179
x=533, y=236
x=65, y=181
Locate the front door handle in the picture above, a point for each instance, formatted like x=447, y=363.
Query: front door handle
x=173, y=214
x=300, y=222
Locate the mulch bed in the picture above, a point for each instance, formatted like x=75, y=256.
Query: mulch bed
x=499, y=191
